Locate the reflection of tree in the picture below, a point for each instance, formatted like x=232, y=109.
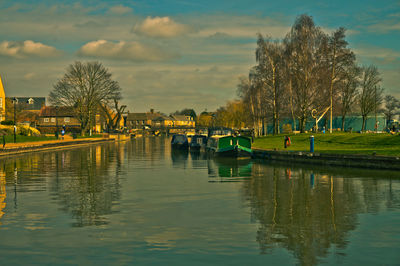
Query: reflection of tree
x=85, y=184
x=84, y=181
x=303, y=219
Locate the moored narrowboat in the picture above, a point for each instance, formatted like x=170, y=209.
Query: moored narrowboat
x=179, y=141
x=197, y=142
x=230, y=146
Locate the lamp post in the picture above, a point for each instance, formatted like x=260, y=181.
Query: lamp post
x=15, y=124
x=57, y=121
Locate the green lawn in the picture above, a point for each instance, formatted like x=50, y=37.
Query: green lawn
x=10, y=138
x=341, y=143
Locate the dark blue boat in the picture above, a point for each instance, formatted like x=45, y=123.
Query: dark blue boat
x=179, y=141
x=197, y=142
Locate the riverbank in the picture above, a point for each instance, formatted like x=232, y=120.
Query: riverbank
x=329, y=159
x=379, y=151
x=336, y=143
x=25, y=147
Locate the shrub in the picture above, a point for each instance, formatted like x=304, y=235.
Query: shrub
x=7, y=129
x=7, y=122
x=27, y=131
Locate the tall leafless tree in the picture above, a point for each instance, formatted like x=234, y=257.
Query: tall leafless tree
x=306, y=41
x=339, y=58
x=270, y=55
x=348, y=90
x=83, y=87
x=370, y=96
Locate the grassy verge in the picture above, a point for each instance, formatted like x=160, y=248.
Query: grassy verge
x=340, y=143
x=19, y=138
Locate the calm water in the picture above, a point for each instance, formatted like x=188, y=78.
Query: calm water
x=140, y=203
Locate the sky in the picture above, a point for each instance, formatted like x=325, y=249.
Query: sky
x=176, y=54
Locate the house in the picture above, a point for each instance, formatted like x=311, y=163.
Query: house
x=157, y=120
x=2, y=102
x=27, y=109
x=149, y=119
x=34, y=104
x=51, y=118
x=183, y=121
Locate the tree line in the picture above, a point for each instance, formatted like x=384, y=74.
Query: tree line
x=308, y=69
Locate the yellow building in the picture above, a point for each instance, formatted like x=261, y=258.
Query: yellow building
x=2, y=102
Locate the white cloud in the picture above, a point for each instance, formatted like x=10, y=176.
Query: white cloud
x=160, y=27
x=384, y=27
x=27, y=49
x=133, y=51
x=384, y=54
x=244, y=31
x=29, y=76
x=120, y=10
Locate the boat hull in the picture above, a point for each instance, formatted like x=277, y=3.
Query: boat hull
x=234, y=151
x=179, y=142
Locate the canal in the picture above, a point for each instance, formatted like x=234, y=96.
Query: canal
x=138, y=202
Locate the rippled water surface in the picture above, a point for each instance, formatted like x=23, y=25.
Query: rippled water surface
x=138, y=202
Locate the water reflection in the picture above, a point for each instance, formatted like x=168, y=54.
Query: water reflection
x=3, y=193
x=85, y=182
x=151, y=199
x=179, y=157
x=310, y=213
x=228, y=170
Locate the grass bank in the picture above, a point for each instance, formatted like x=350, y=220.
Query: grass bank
x=20, y=138
x=339, y=143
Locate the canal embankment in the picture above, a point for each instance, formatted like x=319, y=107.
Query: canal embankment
x=26, y=147
x=315, y=158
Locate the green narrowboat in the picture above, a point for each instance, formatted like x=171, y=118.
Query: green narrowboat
x=230, y=146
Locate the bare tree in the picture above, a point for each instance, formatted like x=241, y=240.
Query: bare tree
x=269, y=55
x=306, y=42
x=392, y=106
x=339, y=57
x=370, y=96
x=83, y=87
x=247, y=90
x=348, y=90
x=288, y=76
x=112, y=111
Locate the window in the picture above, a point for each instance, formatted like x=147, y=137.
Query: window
x=46, y=119
x=66, y=119
x=53, y=119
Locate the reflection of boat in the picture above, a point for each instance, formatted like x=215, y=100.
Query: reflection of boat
x=196, y=154
x=229, y=168
x=197, y=142
x=179, y=157
x=179, y=141
x=230, y=146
